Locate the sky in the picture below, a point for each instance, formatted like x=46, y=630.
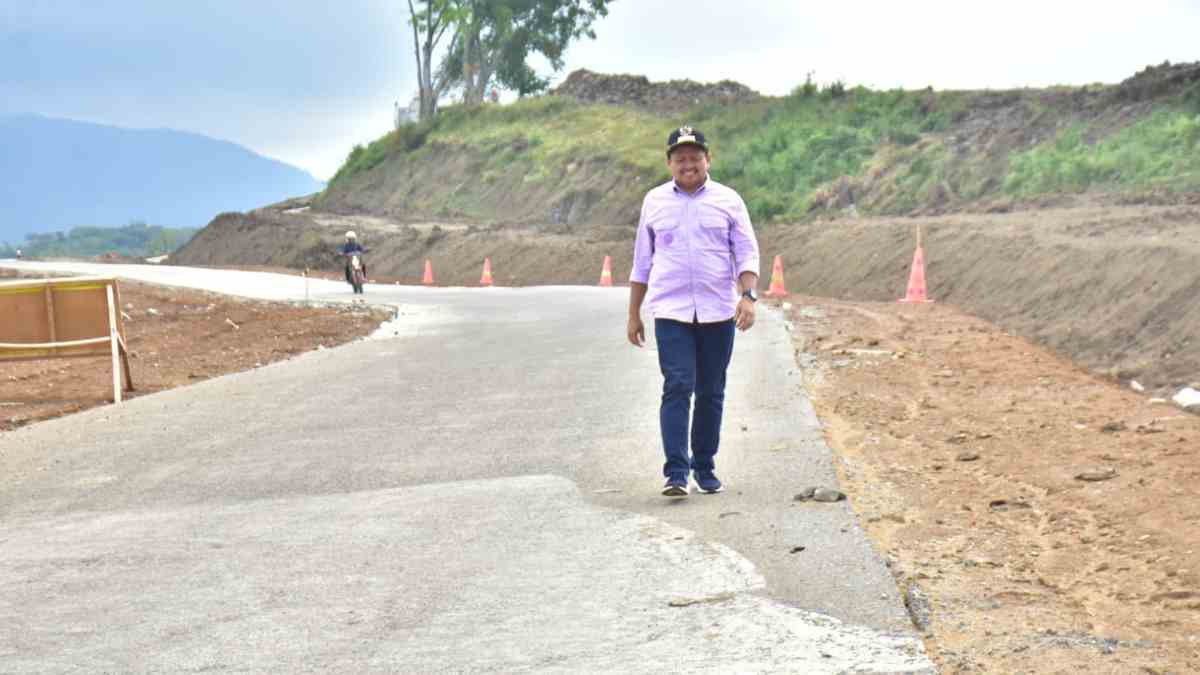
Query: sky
x=304, y=80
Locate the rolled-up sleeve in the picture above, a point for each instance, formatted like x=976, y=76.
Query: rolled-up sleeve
x=643, y=251
x=743, y=241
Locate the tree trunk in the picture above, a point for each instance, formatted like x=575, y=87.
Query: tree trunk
x=423, y=49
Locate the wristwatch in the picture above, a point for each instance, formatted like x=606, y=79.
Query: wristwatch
x=750, y=294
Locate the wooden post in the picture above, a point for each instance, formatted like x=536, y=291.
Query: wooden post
x=125, y=362
x=50, y=314
x=115, y=339
x=121, y=337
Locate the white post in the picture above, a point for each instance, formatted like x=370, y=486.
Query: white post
x=113, y=340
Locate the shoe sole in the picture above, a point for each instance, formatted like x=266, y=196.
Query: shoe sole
x=675, y=491
x=711, y=492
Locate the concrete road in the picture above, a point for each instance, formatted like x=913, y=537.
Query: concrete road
x=477, y=492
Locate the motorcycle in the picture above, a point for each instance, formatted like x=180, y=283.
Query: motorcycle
x=356, y=270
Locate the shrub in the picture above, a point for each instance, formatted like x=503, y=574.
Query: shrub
x=1160, y=151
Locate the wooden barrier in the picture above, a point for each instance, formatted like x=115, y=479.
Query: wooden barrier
x=64, y=318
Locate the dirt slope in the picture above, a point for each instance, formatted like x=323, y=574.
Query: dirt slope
x=1114, y=288
x=448, y=182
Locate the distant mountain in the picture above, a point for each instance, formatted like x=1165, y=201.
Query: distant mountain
x=57, y=173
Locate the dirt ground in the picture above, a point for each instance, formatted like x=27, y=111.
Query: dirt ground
x=176, y=337
x=964, y=450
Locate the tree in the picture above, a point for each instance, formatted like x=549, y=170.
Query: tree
x=429, y=24
x=496, y=37
x=492, y=41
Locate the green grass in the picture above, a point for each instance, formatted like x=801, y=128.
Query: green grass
x=1160, y=151
x=552, y=130
x=812, y=137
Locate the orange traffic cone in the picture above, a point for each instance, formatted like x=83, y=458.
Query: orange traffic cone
x=777, y=290
x=606, y=273
x=428, y=278
x=916, y=279
x=486, y=279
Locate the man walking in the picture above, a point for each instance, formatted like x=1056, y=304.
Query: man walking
x=695, y=264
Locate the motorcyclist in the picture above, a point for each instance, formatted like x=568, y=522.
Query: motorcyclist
x=352, y=246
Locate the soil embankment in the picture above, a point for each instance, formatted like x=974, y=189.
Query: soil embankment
x=1112, y=287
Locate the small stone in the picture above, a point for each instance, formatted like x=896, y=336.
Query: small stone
x=827, y=495
x=960, y=437
x=1113, y=427
x=919, y=609
x=805, y=494
x=797, y=549
x=712, y=599
x=1005, y=504
x=968, y=456
x=1096, y=475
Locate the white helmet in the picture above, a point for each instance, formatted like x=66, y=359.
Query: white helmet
x=351, y=235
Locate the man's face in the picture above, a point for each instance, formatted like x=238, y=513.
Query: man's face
x=689, y=166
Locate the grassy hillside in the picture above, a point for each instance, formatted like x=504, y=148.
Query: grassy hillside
x=821, y=148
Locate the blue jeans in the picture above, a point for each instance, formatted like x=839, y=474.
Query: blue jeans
x=693, y=358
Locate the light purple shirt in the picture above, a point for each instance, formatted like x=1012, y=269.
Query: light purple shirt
x=690, y=250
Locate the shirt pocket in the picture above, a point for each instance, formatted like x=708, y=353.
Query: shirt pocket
x=714, y=232
x=667, y=234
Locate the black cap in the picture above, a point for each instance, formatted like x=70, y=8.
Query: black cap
x=686, y=136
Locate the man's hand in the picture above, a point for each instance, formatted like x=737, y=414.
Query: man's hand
x=636, y=331
x=744, y=316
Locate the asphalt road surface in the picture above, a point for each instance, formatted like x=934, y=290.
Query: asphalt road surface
x=474, y=489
